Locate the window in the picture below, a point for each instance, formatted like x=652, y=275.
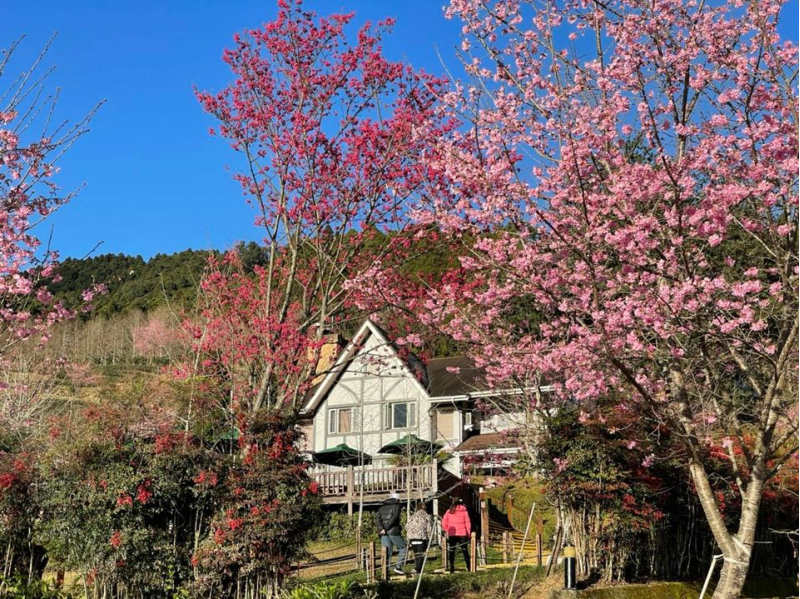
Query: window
x=401, y=415
x=340, y=421
x=468, y=421
x=445, y=424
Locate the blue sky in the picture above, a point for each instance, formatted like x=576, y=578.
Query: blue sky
x=155, y=181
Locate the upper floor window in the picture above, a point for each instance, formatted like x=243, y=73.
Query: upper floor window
x=340, y=421
x=401, y=415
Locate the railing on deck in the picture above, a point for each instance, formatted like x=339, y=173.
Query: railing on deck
x=375, y=481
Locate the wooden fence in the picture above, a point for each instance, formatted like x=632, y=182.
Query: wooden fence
x=337, y=486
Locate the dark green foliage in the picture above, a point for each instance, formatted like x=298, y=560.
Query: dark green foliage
x=132, y=283
x=121, y=507
x=135, y=285
x=490, y=584
x=615, y=506
x=343, y=589
x=18, y=587
x=338, y=526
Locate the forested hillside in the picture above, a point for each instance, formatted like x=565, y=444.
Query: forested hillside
x=135, y=284
x=138, y=319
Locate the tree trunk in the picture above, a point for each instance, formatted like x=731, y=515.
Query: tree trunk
x=732, y=578
x=735, y=567
x=736, y=549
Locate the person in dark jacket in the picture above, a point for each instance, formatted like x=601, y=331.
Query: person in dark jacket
x=387, y=521
x=457, y=527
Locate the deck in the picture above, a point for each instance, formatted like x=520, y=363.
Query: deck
x=350, y=485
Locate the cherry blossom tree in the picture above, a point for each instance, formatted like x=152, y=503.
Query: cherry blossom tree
x=156, y=337
x=629, y=170
x=329, y=132
x=328, y=129
x=32, y=141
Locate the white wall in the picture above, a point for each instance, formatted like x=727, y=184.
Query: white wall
x=371, y=382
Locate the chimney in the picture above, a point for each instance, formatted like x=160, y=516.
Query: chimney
x=332, y=345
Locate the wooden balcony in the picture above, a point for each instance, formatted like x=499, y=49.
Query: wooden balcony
x=349, y=485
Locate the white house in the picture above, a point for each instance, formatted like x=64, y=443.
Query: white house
x=370, y=396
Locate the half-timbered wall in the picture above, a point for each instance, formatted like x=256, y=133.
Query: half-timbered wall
x=370, y=392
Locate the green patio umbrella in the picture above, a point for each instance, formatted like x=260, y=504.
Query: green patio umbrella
x=410, y=444
x=342, y=455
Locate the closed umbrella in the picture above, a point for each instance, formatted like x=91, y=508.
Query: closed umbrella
x=342, y=455
x=410, y=444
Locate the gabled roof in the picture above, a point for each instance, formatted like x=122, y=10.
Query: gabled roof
x=435, y=380
x=443, y=383
x=369, y=328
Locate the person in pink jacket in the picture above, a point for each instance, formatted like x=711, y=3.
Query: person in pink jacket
x=457, y=527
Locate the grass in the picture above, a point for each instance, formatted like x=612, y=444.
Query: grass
x=324, y=550
x=754, y=589
x=487, y=584
x=523, y=496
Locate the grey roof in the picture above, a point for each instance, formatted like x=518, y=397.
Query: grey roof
x=488, y=441
x=442, y=383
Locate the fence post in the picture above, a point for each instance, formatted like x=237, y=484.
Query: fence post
x=443, y=545
x=484, y=527
x=371, y=562
x=385, y=557
x=351, y=490
x=473, y=546
x=505, y=546
x=539, y=535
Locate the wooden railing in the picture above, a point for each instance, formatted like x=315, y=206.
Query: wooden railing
x=349, y=482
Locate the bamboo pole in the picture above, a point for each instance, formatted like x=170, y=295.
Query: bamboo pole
x=424, y=562
x=359, y=551
x=708, y=577
x=521, y=550
x=484, y=527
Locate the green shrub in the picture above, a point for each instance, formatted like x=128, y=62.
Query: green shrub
x=345, y=589
x=19, y=587
x=338, y=526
